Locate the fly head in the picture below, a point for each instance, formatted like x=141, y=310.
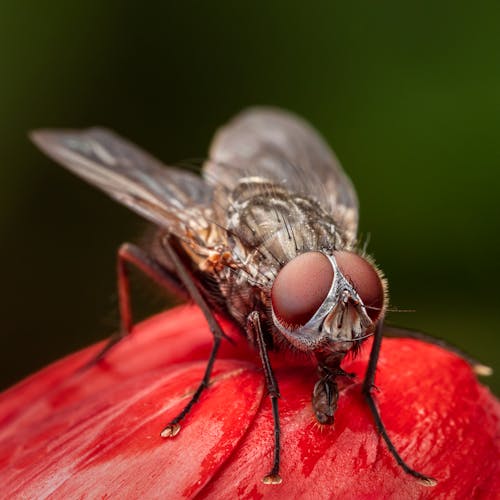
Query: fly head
x=327, y=303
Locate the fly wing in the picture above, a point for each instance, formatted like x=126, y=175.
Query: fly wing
x=171, y=198
x=282, y=148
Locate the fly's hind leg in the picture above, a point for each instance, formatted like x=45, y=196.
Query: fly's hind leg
x=129, y=254
x=178, y=281
x=478, y=367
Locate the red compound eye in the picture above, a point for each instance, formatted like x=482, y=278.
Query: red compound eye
x=365, y=279
x=301, y=287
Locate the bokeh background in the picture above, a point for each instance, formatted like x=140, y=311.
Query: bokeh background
x=408, y=95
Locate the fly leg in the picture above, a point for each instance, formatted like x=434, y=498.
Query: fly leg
x=255, y=332
x=478, y=367
x=173, y=427
x=368, y=384
x=129, y=254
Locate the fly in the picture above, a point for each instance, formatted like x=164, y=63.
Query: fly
x=266, y=236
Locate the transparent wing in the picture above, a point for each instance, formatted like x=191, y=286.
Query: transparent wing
x=168, y=197
x=279, y=146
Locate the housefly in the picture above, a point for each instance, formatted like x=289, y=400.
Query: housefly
x=265, y=236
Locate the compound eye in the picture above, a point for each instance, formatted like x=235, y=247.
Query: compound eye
x=365, y=279
x=300, y=288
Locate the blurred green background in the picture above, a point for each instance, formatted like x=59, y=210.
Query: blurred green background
x=408, y=95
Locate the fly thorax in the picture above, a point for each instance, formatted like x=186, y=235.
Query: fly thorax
x=269, y=226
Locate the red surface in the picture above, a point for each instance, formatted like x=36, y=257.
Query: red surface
x=65, y=434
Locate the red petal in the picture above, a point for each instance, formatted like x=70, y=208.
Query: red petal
x=96, y=433
x=441, y=420
x=176, y=336
x=109, y=443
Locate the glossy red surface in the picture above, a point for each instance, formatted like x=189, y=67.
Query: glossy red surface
x=65, y=434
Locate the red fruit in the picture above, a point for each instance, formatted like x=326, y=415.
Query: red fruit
x=68, y=434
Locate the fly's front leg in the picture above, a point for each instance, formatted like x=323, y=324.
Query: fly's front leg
x=255, y=332
x=367, y=388
x=129, y=254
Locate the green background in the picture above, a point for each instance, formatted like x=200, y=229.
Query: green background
x=407, y=93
